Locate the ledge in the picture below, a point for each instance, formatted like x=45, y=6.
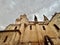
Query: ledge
x=4, y=31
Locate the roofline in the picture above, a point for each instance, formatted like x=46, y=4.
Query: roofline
x=40, y=21
x=53, y=16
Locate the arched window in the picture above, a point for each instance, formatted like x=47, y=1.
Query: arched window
x=48, y=40
x=5, y=39
x=15, y=28
x=43, y=28
x=25, y=25
x=30, y=27
x=57, y=28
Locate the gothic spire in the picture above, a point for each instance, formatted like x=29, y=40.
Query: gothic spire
x=45, y=18
x=35, y=18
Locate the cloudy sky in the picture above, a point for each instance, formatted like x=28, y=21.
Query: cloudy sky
x=11, y=9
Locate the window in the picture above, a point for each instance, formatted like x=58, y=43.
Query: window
x=15, y=28
x=44, y=28
x=56, y=27
x=25, y=25
x=48, y=40
x=5, y=39
x=30, y=27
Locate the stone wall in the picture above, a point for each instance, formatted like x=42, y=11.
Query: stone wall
x=32, y=32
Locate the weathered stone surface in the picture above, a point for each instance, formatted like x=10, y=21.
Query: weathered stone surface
x=32, y=32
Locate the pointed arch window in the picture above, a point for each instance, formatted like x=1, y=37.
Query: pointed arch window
x=30, y=27
x=5, y=39
x=25, y=25
x=43, y=27
x=15, y=28
x=48, y=40
x=57, y=28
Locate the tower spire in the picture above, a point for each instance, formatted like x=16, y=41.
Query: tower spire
x=45, y=18
x=35, y=18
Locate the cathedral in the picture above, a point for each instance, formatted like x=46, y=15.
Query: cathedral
x=25, y=32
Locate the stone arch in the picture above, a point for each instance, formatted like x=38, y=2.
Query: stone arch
x=47, y=40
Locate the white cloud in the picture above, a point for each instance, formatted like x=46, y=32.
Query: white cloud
x=11, y=9
x=2, y=27
x=12, y=4
x=48, y=11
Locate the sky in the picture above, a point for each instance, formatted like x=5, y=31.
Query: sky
x=12, y=9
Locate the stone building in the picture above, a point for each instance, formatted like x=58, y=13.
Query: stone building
x=25, y=32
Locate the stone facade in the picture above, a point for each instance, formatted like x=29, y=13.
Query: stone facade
x=25, y=32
